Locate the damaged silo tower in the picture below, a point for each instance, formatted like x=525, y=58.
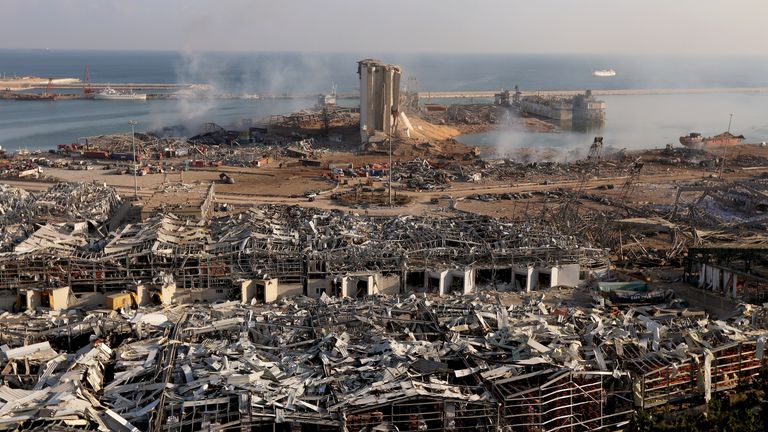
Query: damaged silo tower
x=379, y=99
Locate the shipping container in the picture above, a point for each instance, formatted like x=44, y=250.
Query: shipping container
x=91, y=154
x=127, y=156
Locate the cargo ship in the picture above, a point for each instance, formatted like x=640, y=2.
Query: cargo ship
x=112, y=94
x=696, y=140
x=582, y=107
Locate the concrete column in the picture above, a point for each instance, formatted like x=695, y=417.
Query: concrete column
x=532, y=283
x=444, y=283
x=708, y=278
x=702, y=275
x=716, y=279
x=142, y=295
x=270, y=289
x=469, y=281
x=167, y=292
x=344, y=287
x=247, y=291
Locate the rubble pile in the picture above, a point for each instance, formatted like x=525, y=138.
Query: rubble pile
x=353, y=243
x=77, y=201
x=421, y=174
x=146, y=145
x=720, y=205
x=13, y=202
x=290, y=243
x=464, y=362
x=73, y=203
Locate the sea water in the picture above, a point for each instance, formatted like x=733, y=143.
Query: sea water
x=632, y=121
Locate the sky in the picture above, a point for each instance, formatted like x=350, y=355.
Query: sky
x=666, y=27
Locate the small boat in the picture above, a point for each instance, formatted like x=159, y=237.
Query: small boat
x=111, y=94
x=604, y=73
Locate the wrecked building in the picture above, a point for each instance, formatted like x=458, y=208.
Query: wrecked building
x=306, y=251
x=407, y=363
x=380, y=114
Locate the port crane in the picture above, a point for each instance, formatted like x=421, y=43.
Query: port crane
x=87, y=82
x=47, y=93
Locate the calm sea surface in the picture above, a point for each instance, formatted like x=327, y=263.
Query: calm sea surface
x=632, y=121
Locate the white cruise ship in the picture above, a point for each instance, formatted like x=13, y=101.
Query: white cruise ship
x=604, y=73
x=111, y=94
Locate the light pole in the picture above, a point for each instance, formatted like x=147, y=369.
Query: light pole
x=133, y=123
x=390, y=171
x=725, y=147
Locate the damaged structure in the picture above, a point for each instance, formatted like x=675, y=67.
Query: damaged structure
x=304, y=251
x=403, y=363
x=380, y=114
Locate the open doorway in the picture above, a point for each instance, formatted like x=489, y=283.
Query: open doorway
x=545, y=279
x=457, y=284
x=433, y=285
x=521, y=281
x=414, y=281
x=335, y=290
x=261, y=292
x=361, y=288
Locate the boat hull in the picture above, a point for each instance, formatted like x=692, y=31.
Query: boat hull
x=120, y=97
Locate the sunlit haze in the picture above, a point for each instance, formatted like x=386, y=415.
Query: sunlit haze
x=491, y=26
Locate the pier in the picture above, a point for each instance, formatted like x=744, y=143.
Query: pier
x=167, y=90
x=611, y=92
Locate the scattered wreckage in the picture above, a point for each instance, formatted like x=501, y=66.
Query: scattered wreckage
x=411, y=363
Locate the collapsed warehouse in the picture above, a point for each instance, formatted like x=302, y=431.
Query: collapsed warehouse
x=385, y=363
x=292, y=318
x=276, y=251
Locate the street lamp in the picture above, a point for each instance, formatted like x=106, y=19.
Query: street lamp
x=725, y=148
x=133, y=123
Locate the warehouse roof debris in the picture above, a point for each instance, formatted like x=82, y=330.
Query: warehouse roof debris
x=61, y=203
x=482, y=361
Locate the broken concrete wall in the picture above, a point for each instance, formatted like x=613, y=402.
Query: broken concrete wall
x=167, y=293
x=386, y=284
x=358, y=285
x=316, y=287
x=565, y=275
x=60, y=298
x=289, y=290
x=259, y=290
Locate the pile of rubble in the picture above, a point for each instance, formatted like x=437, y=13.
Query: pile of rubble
x=76, y=201
x=482, y=362
x=13, y=202
x=290, y=243
x=419, y=174
x=63, y=202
